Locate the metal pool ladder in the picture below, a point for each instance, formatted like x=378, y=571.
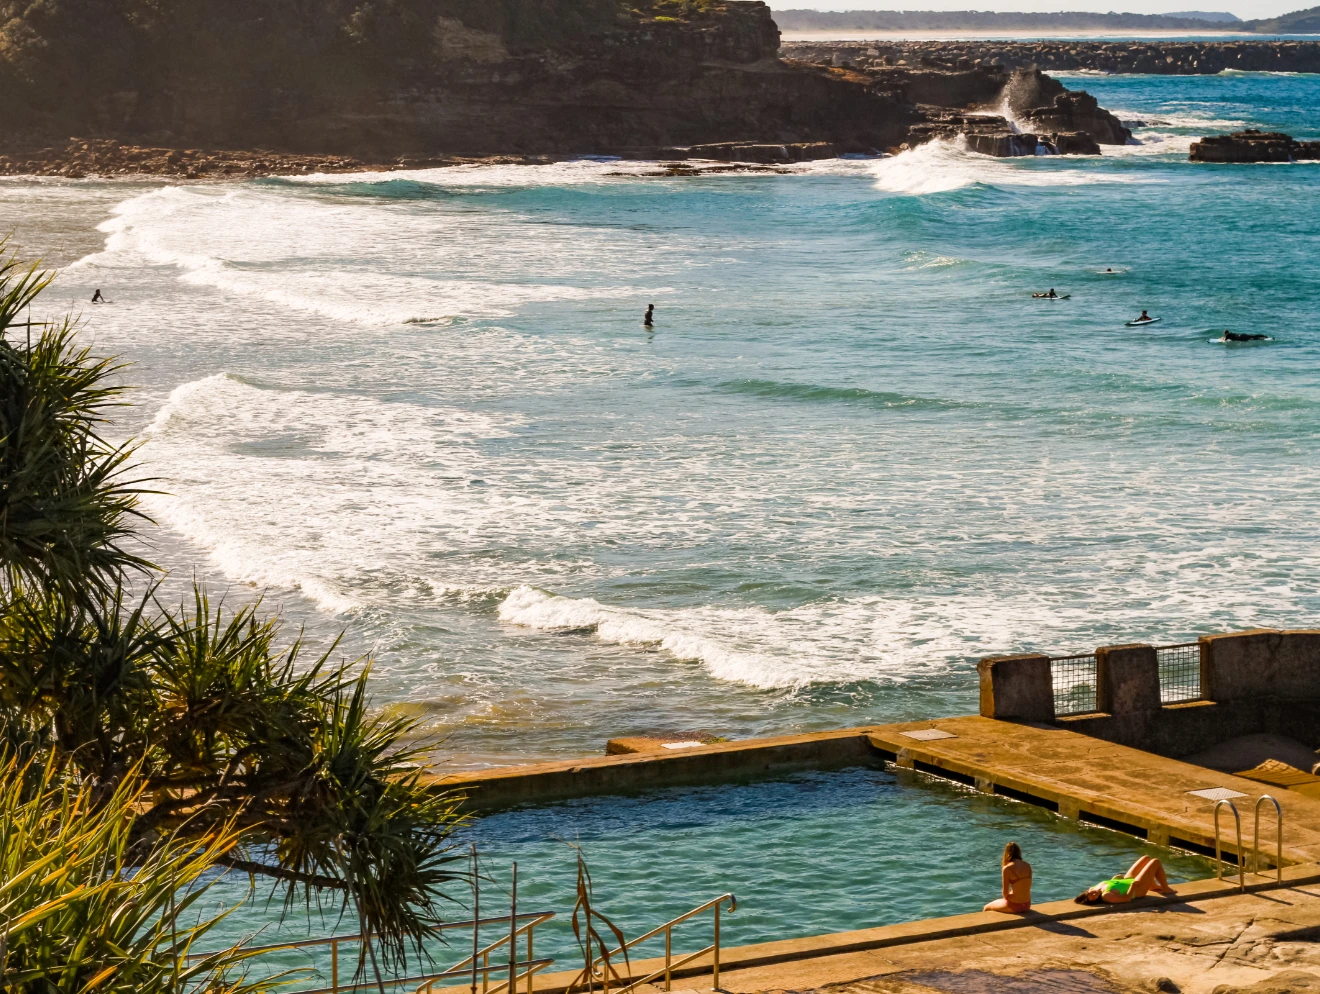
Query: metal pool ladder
x=1219, y=857
x=602, y=962
x=1255, y=841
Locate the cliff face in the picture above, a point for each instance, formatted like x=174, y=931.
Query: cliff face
x=395, y=77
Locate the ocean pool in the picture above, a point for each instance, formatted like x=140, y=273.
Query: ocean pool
x=807, y=854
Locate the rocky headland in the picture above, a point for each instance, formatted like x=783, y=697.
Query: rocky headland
x=194, y=89
x=1150, y=57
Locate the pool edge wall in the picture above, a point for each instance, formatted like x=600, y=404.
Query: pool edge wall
x=544, y=783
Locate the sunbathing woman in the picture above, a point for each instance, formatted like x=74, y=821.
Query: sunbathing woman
x=1017, y=883
x=1145, y=875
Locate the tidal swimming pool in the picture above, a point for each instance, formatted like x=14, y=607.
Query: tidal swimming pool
x=807, y=854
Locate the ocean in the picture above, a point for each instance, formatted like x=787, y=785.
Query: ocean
x=852, y=457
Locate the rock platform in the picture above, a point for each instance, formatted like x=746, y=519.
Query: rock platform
x=1253, y=146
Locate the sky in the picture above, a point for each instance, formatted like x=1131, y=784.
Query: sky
x=1245, y=9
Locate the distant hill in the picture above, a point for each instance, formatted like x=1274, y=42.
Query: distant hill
x=1299, y=22
x=1219, y=17
x=984, y=20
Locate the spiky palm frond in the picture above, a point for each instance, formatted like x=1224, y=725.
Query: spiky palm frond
x=356, y=810
x=66, y=501
x=83, y=912
x=79, y=671
x=292, y=751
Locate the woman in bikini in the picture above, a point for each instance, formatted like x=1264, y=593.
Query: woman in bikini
x=1017, y=883
x=1145, y=875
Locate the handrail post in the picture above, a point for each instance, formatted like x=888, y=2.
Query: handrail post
x=1219, y=859
x=715, y=975
x=334, y=966
x=513, y=933
x=1255, y=840
x=669, y=953
x=530, y=958
x=476, y=916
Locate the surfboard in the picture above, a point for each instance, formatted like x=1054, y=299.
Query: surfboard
x=1110, y=272
x=1241, y=339
x=1057, y=296
x=1142, y=324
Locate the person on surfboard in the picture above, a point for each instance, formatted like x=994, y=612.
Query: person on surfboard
x=1143, y=319
x=649, y=320
x=97, y=298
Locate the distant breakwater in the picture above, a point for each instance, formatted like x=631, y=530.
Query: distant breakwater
x=1152, y=57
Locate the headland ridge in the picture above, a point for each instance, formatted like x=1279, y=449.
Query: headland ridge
x=329, y=85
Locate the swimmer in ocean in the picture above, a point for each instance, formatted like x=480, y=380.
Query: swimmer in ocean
x=1144, y=317
x=649, y=320
x=97, y=298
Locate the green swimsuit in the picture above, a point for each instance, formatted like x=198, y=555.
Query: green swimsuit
x=1118, y=885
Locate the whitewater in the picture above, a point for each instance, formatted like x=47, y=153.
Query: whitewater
x=852, y=457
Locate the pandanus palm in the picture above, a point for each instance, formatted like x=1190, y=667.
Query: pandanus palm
x=229, y=727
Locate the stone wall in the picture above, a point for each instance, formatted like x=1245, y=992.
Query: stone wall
x=1257, y=681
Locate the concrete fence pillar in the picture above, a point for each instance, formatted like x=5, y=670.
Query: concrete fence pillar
x=1127, y=679
x=1297, y=665
x=1238, y=666
x=1017, y=688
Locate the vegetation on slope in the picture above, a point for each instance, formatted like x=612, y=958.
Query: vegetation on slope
x=1299, y=22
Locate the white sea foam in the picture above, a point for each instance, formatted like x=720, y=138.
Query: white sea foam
x=943, y=165
x=308, y=256
x=821, y=643
x=575, y=172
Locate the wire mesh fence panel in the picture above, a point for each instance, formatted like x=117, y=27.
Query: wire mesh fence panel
x=1074, y=680
x=1180, y=673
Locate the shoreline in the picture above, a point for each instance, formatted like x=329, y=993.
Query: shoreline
x=110, y=158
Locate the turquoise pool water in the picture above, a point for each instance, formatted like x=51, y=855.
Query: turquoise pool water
x=808, y=854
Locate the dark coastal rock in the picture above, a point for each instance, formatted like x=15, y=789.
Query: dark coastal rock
x=1073, y=143
x=1047, y=106
x=751, y=152
x=1003, y=145
x=1009, y=144
x=1253, y=146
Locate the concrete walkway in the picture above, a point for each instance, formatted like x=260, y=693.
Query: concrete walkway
x=1237, y=940
x=1085, y=777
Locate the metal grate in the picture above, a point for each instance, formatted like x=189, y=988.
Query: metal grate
x=1180, y=672
x=1074, y=684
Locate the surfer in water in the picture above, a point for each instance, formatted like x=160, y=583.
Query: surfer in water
x=1144, y=318
x=97, y=298
x=649, y=320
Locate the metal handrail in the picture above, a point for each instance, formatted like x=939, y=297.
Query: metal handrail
x=465, y=967
x=1255, y=837
x=1219, y=859
x=670, y=964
